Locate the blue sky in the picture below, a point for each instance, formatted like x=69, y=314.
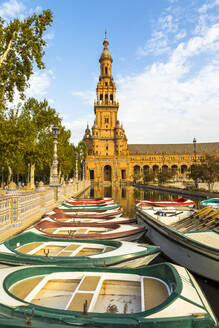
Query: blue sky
x=166, y=64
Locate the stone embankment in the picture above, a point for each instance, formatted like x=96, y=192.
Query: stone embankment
x=20, y=209
x=175, y=189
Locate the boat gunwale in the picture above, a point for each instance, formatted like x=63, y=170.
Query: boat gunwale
x=178, y=286
x=105, y=260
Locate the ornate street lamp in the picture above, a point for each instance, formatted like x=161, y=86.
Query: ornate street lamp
x=54, y=179
x=83, y=169
x=194, y=147
x=76, y=168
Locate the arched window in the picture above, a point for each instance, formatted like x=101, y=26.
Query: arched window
x=106, y=70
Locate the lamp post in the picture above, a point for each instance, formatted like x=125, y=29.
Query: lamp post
x=54, y=180
x=83, y=169
x=76, y=167
x=194, y=147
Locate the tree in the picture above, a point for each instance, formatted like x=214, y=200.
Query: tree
x=164, y=175
x=26, y=137
x=207, y=172
x=148, y=177
x=21, y=46
x=66, y=153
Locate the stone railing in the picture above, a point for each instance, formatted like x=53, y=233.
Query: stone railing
x=21, y=208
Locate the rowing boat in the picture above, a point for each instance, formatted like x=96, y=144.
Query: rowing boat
x=32, y=248
x=176, y=202
x=96, y=201
x=190, y=238
x=89, y=208
x=161, y=295
x=106, y=220
x=214, y=202
x=89, y=231
x=59, y=214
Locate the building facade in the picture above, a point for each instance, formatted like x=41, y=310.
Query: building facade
x=111, y=159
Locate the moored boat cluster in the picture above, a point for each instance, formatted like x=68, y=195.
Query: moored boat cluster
x=82, y=265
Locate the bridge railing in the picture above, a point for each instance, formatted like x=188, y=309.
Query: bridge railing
x=22, y=207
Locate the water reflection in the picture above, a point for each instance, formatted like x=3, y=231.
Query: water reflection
x=126, y=196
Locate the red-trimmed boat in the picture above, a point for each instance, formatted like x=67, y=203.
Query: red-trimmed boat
x=59, y=214
x=90, y=201
x=89, y=231
x=160, y=203
x=107, y=220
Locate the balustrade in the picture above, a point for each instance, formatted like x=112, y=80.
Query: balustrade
x=21, y=206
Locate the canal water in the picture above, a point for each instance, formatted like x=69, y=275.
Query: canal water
x=126, y=197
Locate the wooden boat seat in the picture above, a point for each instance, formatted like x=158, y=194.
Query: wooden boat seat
x=155, y=293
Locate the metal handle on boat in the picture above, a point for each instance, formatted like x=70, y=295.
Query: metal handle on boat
x=125, y=308
x=29, y=317
x=85, y=308
x=46, y=252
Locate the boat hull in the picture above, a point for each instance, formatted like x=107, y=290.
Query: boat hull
x=178, y=249
x=37, y=249
x=87, y=297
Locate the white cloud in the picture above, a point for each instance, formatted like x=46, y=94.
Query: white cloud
x=177, y=99
x=88, y=96
x=39, y=84
x=11, y=9
x=77, y=127
x=49, y=36
x=207, y=6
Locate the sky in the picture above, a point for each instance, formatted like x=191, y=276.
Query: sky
x=165, y=64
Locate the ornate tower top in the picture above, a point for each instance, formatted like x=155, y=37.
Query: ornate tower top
x=106, y=88
x=105, y=54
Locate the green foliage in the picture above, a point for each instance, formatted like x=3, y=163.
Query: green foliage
x=21, y=47
x=26, y=138
x=148, y=177
x=207, y=172
x=165, y=175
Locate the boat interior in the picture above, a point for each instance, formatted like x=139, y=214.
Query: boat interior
x=205, y=219
x=71, y=231
x=62, y=249
x=92, y=292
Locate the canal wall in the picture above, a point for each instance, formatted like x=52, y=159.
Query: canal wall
x=179, y=191
x=20, y=209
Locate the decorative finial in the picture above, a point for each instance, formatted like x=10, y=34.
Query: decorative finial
x=105, y=34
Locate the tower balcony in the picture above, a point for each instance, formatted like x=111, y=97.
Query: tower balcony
x=108, y=103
